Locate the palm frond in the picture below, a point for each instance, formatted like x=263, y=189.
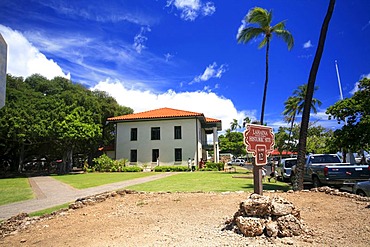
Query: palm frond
x=279, y=26
x=259, y=16
x=286, y=36
x=249, y=33
x=263, y=42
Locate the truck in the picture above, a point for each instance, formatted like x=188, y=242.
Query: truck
x=328, y=169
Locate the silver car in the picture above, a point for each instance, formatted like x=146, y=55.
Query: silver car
x=285, y=167
x=362, y=188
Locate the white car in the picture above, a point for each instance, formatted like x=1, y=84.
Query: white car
x=284, y=169
x=239, y=162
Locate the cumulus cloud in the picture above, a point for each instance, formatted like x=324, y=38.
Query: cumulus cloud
x=211, y=104
x=140, y=39
x=24, y=59
x=308, y=44
x=212, y=71
x=191, y=9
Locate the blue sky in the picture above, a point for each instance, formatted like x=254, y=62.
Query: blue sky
x=184, y=54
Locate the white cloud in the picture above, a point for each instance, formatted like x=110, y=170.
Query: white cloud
x=308, y=44
x=140, y=39
x=211, y=72
x=24, y=59
x=191, y=9
x=168, y=56
x=209, y=103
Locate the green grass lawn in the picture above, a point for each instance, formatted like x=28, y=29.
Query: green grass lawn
x=87, y=180
x=14, y=190
x=206, y=182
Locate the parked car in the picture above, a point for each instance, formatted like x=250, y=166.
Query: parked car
x=285, y=167
x=362, y=188
x=239, y=162
x=328, y=169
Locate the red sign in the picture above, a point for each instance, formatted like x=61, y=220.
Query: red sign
x=260, y=142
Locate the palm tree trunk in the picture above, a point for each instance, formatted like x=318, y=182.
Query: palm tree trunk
x=266, y=81
x=298, y=178
x=290, y=132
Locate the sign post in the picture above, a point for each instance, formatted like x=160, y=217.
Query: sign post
x=259, y=141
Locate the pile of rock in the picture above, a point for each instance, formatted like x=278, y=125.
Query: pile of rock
x=273, y=217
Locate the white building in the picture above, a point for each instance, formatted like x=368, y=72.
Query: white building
x=165, y=136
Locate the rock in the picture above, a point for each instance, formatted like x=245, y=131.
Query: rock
x=276, y=217
x=289, y=226
x=272, y=229
x=250, y=226
x=256, y=205
x=281, y=206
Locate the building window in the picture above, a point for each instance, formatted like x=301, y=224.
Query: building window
x=177, y=132
x=133, y=134
x=133, y=155
x=156, y=133
x=178, y=154
x=155, y=155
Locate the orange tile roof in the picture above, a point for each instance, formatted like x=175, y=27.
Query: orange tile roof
x=212, y=120
x=161, y=113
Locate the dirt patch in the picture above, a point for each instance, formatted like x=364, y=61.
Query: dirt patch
x=193, y=219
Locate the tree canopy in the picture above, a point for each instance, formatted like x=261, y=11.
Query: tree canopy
x=354, y=113
x=48, y=118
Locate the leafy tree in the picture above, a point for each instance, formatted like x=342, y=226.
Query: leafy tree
x=298, y=179
x=232, y=142
x=281, y=138
x=53, y=119
x=262, y=19
x=355, y=113
x=294, y=105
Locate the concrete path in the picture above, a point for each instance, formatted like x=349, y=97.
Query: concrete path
x=50, y=192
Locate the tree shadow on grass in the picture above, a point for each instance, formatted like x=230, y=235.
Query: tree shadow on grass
x=269, y=186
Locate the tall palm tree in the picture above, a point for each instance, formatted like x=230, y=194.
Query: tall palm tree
x=294, y=105
x=298, y=178
x=262, y=19
x=234, y=125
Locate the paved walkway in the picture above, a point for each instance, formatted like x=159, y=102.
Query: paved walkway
x=50, y=192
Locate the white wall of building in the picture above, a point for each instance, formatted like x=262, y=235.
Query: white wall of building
x=190, y=143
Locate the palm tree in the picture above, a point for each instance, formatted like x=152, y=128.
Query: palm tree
x=234, y=125
x=298, y=176
x=262, y=18
x=294, y=105
x=246, y=121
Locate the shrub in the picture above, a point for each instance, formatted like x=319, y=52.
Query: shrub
x=210, y=166
x=106, y=164
x=103, y=163
x=131, y=169
x=171, y=169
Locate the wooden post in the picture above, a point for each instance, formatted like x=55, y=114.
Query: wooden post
x=257, y=179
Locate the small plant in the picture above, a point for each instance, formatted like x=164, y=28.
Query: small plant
x=171, y=169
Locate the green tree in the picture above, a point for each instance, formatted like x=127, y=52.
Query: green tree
x=232, y=142
x=298, y=178
x=262, y=19
x=281, y=139
x=53, y=119
x=246, y=121
x=355, y=113
x=234, y=125
x=294, y=105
